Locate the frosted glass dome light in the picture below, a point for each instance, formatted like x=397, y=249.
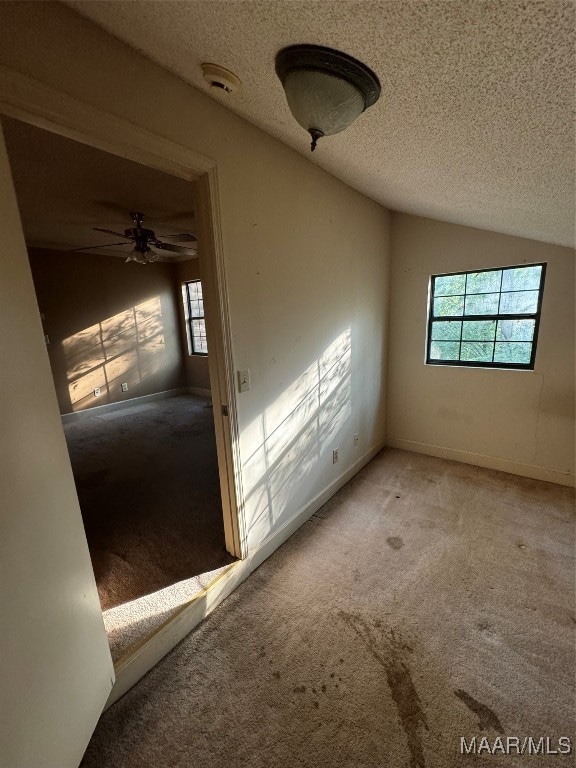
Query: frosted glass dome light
x=326, y=90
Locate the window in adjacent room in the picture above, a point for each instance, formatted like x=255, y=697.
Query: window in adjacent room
x=485, y=319
x=194, y=316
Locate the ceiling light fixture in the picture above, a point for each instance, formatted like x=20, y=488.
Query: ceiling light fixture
x=326, y=90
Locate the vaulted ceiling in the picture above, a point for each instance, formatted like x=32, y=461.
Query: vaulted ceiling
x=475, y=124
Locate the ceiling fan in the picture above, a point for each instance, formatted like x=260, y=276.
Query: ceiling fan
x=146, y=244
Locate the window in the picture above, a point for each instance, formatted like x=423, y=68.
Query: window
x=485, y=319
x=194, y=316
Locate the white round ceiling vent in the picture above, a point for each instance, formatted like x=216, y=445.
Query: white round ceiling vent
x=220, y=78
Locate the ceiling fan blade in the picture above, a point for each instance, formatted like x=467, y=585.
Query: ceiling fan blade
x=110, y=232
x=91, y=247
x=174, y=248
x=151, y=215
x=182, y=238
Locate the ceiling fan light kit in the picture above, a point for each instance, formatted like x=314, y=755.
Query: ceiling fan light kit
x=147, y=256
x=326, y=89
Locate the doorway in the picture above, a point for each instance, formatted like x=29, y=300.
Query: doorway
x=147, y=482
x=142, y=438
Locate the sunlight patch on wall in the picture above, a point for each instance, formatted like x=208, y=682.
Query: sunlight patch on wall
x=293, y=434
x=129, y=346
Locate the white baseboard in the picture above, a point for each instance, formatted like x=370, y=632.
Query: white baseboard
x=108, y=407
x=140, y=659
x=533, y=471
x=200, y=391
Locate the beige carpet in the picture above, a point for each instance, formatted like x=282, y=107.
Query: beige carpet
x=427, y=601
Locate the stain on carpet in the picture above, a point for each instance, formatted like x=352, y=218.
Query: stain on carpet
x=483, y=625
x=388, y=652
x=488, y=720
x=425, y=476
x=395, y=542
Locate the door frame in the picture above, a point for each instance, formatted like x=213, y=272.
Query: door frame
x=33, y=102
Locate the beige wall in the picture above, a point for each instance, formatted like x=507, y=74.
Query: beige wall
x=108, y=323
x=517, y=421
x=195, y=366
x=306, y=263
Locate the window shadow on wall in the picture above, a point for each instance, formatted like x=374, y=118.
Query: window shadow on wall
x=296, y=434
x=128, y=347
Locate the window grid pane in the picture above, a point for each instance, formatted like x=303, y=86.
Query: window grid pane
x=483, y=282
x=479, y=351
x=487, y=318
x=481, y=304
x=479, y=330
x=448, y=330
x=449, y=306
x=522, y=278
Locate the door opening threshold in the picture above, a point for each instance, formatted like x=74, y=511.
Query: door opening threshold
x=131, y=624
x=167, y=626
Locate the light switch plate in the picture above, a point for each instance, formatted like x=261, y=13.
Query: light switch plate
x=243, y=381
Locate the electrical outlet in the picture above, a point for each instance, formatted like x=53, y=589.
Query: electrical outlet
x=243, y=381
x=124, y=387
x=97, y=392
x=334, y=455
x=356, y=438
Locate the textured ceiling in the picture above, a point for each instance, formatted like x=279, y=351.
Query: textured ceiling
x=65, y=188
x=475, y=124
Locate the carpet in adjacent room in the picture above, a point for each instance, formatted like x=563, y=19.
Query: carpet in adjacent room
x=147, y=481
